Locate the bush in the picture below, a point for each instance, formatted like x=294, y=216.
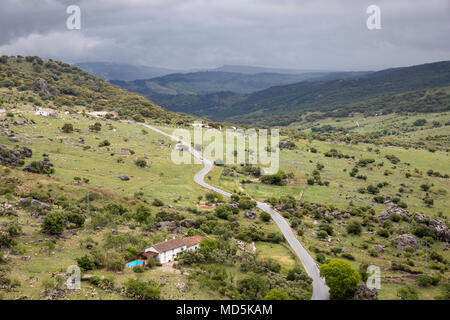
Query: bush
x=354, y=227
x=246, y=203
x=104, y=143
x=143, y=214
x=265, y=217
x=424, y=280
x=53, y=223
x=138, y=269
x=86, y=262
x=67, y=128
x=322, y=234
x=277, y=294
x=142, y=290
x=141, y=163
x=408, y=293
x=383, y=233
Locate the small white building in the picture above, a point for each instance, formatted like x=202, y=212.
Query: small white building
x=46, y=112
x=167, y=251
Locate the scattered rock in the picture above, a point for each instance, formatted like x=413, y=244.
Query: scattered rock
x=406, y=240
x=364, y=293
x=251, y=214
x=123, y=177
x=166, y=225
x=181, y=287
x=379, y=248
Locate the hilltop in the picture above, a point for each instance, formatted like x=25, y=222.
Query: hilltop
x=62, y=86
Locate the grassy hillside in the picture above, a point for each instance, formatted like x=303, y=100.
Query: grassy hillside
x=59, y=85
x=110, y=230
x=422, y=88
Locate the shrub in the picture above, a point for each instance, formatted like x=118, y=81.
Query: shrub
x=67, y=128
x=322, y=234
x=277, y=294
x=104, y=143
x=408, y=293
x=138, y=269
x=354, y=227
x=86, y=262
x=53, y=223
x=141, y=163
x=383, y=233
x=142, y=290
x=424, y=280
x=264, y=216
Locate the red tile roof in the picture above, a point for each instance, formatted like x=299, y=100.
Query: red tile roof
x=168, y=245
x=192, y=241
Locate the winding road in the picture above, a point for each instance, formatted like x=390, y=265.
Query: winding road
x=320, y=289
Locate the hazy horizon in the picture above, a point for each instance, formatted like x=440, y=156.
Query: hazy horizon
x=198, y=34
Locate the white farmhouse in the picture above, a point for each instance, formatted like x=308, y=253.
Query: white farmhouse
x=167, y=251
x=46, y=112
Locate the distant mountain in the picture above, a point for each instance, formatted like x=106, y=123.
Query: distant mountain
x=398, y=89
x=255, y=70
x=120, y=71
x=212, y=81
x=422, y=88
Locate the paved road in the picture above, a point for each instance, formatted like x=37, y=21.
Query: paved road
x=320, y=289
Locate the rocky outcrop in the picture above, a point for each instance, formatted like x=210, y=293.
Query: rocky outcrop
x=287, y=144
x=364, y=293
x=439, y=228
x=335, y=214
x=394, y=209
x=40, y=167
x=40, y=206
x=41, y=86
x=379, y=248
x=406, y=240
x=11, y=157
x=251, y=214
x=166, y=225
x=188, y=223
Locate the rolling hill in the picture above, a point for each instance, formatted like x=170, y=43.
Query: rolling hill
x=122, y=71
x=421, y=88
x=59, y=85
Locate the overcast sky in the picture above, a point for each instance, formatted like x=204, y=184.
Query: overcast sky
x=300, y=34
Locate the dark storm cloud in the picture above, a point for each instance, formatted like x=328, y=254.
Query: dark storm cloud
x=305, y=34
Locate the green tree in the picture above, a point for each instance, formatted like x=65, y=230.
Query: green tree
x=143, y=214
x=277, y=294
x=340, y=277
x=208, y=244
x=53, y=223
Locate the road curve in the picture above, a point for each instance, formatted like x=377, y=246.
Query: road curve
x=320, y=289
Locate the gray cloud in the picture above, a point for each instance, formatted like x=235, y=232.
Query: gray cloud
x=304, y=34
